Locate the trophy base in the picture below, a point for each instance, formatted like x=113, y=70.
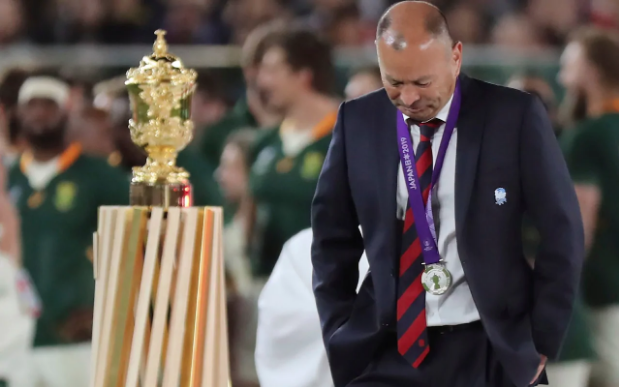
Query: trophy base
x=160, y=298
x=160, y=195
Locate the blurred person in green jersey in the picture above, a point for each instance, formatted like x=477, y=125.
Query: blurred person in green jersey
x=297, y=78
x=589, y=71
x=57, y=191
x=573, y=367
x=92, y=129
x=251, y=110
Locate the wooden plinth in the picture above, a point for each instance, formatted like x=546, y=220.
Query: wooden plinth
x=160, y=304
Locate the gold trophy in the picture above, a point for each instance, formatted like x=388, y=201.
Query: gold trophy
x=160, y=91
x=160, y=314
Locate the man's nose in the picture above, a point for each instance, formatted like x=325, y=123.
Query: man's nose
x=409, y=95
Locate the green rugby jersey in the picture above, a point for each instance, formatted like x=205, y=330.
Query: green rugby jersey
x=592, y=154
x=57, y=225
x=283, y=187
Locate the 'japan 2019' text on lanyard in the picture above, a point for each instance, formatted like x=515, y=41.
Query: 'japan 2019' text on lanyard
x=438, y=281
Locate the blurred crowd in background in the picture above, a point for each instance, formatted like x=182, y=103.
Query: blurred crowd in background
x=524, y=23
x=257, y=150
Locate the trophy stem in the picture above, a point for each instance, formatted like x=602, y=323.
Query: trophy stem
x=160, y=183
x=160, y=195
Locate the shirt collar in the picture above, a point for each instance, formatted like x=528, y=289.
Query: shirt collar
x=64, y=160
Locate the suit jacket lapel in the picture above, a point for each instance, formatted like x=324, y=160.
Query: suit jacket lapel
x=387, y=158
x=470, y=127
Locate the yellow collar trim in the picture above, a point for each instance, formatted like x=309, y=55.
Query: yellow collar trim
x=67, y=158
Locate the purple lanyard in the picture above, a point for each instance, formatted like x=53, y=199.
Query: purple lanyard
x=424, y=219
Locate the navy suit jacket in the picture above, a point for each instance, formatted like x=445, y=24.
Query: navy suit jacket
x=505, y=139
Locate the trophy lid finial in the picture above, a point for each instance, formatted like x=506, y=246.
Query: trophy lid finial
x=160, y=47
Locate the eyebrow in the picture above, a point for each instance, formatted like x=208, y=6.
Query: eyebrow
x=421, y=79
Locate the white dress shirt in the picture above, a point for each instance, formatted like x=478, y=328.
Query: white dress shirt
x=290, y=351
x=456, y=306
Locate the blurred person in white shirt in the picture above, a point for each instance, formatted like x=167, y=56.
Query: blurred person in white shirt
x=17, y=308
x=289, y=347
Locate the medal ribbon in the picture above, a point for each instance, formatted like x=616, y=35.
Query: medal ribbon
x=424, y=218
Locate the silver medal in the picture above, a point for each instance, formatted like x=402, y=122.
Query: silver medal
x=436, y=279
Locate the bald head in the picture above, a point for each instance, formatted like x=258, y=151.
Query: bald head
x=419, y=62
x=409, y=21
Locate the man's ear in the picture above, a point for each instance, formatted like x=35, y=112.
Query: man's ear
x=456, y=56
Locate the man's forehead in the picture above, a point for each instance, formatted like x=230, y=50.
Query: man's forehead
x=419, y=53
x=274, y=54
x=412, y=66
x=397, y=40
x=41, y=101
x=394, y=39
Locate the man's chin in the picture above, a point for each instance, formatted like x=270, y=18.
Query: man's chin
x=46, y=141
x=420, y=116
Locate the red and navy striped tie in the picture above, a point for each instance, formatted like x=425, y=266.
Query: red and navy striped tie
x=411, y=309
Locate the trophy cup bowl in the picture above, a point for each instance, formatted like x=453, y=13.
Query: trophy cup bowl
x=160, y=91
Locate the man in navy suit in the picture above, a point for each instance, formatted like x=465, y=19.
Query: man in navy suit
x=438, y=169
